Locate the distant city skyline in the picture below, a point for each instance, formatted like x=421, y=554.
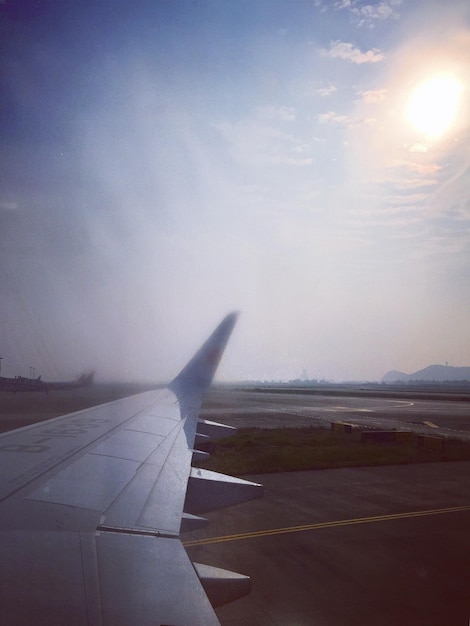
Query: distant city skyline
x=305, y=163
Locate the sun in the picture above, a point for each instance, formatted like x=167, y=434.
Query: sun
x=433, y=105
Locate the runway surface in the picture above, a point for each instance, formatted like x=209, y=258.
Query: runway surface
x=347, y=547
x=243, y=408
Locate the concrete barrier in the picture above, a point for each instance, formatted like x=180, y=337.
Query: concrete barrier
x=405, y=436
x=431, y=442
x=343, y=427
x=387, y=436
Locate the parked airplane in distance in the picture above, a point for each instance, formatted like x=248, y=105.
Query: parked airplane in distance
x=92, y=505
x=85, y=380
x=20, y=383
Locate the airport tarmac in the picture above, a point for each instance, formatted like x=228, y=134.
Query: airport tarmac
x=348, y=547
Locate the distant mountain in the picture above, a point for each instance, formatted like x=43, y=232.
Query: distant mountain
x=395, y=376
x=432, y=373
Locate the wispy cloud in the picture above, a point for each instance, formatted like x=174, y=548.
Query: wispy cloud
x=373, y=95
x=347, y=52
x=277, y=113
x=325, y=91
x=413, y=183
x=332, y=118
x=421, y=168
x=319, y=4
x=367, y=14
x=372, y=12
x=407, y=199
x=258, y=142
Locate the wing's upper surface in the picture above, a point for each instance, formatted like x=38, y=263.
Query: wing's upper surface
x=92, y=505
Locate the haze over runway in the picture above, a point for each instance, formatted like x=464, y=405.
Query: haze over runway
x=164, y=163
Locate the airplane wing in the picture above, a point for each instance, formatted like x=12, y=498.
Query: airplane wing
x=92, y=505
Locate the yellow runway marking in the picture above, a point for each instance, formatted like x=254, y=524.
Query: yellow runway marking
x=306, y=527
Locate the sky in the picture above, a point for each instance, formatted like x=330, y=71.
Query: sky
x=304, y=162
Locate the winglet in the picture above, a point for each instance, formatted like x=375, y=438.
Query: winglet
x=197, y=375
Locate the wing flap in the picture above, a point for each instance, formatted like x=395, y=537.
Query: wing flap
x=145, y=579
x=104, y=579
x=221, y=585
x=215, y=430
x=209, y=491
x=50, y=589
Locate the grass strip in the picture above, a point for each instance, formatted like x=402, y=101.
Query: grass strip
x=262, y=451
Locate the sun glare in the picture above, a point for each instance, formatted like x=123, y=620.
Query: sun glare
x=433, y=105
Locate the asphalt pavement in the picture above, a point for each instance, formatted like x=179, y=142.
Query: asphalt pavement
x=267, y=409
x=348, y=547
